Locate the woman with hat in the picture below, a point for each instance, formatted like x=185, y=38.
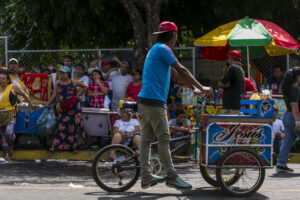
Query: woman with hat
x=8, y=104
x=69, y=133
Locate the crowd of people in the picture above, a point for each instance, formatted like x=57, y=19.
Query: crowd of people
x=75, y=86
x=102, y=86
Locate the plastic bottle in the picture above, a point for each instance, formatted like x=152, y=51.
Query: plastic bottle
x=267, y=86
x=183, y=98
x=221, y=96
x=216, y=98
x=194, y=100
x=275, y=89
x=262, y=87
x=189, y=96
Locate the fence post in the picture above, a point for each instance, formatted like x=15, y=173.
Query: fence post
x=6, y=53
x=287, y=62
x=194, y=61
x=99, y=54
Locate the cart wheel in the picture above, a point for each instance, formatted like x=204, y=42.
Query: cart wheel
x=156, y=165
x=116, y=168
x=251, y=172
x=209, y=175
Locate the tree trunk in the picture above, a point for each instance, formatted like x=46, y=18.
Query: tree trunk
x=142, y=29
x=152, y=9
x=139, y=31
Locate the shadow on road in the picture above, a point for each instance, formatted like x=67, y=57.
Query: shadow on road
x=284, y=175
x=203, y=193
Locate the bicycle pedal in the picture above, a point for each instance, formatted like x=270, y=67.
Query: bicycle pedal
x=186, y=191
x=120, y=183
x=148, y=186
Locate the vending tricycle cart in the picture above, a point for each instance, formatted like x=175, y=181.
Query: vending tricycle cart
x=234, y=153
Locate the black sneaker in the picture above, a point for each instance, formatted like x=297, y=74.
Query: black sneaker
x=284, y=169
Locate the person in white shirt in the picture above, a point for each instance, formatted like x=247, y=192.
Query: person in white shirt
x=126, y=130
x=278, y=131
x=79, y=75
x=120, y=79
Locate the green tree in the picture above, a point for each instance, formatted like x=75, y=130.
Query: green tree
x=35, y=24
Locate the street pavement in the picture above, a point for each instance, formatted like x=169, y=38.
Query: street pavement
x=72, y=180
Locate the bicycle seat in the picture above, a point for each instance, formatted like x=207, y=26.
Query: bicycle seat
x=130, y=105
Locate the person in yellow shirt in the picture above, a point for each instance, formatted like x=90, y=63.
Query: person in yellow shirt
x=13, y=70
x=8, y=104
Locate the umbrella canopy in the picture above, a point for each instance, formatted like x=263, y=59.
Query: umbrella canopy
x=259, y=36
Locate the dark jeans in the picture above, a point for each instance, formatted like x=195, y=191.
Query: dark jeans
x=289, y=139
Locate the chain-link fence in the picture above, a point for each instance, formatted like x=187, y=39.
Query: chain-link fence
x=294, y=60
x=207, y=72
x=3, y=50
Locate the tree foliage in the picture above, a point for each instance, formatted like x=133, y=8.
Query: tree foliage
x=52, y=24
x=38, y=24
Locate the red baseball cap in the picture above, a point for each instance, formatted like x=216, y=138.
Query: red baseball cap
x=104, y=63
x=235, y=55
x=166, y=27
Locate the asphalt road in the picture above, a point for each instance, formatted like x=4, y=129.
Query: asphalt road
x=69, y=180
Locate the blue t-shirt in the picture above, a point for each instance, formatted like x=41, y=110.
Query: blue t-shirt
x=273, y=83
x=157, y=73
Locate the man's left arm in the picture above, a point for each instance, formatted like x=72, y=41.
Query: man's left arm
x=185, y=76
x=225, y=80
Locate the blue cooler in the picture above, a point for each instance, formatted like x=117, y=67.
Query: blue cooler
x=26, y=121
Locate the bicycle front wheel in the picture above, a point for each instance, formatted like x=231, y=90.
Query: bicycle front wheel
x=116, y=168
x=251, y=172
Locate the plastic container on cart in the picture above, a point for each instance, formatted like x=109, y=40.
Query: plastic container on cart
x=26, y=120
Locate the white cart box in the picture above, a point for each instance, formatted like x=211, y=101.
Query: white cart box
x=96, y=121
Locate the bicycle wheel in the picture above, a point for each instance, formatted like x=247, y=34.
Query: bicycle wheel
x=116, y=168
x=209, y=175
x=251, y=169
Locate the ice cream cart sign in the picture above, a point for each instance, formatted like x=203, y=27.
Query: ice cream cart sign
x=239, y=134
x=223, y=136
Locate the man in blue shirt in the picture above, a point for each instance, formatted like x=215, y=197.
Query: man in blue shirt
x=152, y=99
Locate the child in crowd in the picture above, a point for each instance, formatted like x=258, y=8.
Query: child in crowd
x=97, y=90
x=179, y=127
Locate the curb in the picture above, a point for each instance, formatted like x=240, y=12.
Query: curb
x=88, y=155
x=294, y=158
x=43, y=155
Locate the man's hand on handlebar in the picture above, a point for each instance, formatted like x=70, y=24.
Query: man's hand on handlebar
x=206, y=90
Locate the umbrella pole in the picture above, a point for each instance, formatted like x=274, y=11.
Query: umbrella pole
x=248, y=62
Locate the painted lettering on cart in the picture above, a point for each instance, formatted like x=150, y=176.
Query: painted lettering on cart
x=237, y=135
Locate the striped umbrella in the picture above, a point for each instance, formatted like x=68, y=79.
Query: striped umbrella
x=252, y=37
